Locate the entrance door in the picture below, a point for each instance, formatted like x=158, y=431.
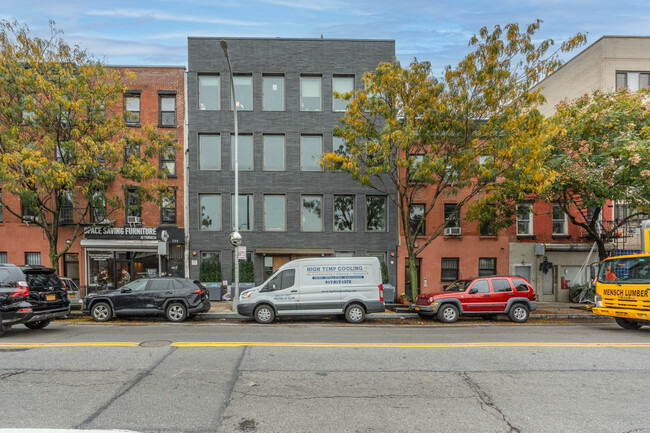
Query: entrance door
x=523, y=271
x=279, y=261
x=547, y=282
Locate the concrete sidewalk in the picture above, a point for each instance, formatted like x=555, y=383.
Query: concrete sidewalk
x=545, y=310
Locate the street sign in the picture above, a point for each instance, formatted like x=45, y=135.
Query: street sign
x=241, y=253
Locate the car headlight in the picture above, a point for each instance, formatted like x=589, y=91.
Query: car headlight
x=599, y=300
x=246, y=295
x=431, y=300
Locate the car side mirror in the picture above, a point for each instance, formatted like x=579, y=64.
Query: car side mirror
x=472, y=291
x=125, y=290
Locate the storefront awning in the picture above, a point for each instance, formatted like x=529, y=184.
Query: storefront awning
x=118, y=244
x=295, y=251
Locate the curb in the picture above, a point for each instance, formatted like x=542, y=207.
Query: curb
x=407, y=316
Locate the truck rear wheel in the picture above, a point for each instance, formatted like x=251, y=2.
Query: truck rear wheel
x=355, y=313
x=627, y=323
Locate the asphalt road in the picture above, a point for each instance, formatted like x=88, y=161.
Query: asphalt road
x=307, y=376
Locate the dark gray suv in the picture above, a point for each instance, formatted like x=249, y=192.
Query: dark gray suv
x=30, y=295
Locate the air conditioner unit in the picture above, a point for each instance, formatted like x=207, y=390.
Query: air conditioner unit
x=133, y=219
x=452, y=231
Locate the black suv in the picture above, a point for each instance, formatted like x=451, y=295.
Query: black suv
x=176, y=298
x=31, y=295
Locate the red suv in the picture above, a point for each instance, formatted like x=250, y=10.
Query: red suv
x=480, y=296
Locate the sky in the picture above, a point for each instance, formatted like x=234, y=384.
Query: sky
x=155, y=32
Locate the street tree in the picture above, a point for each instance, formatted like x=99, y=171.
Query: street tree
x=472, y=135
x=63, y=137
x=599, y=152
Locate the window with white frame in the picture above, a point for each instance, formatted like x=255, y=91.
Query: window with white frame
x=273, y=152
x=310, y=93
x=312, y=213
x=416, y=216
x=245, y=147
x=274, y=213
x=168, y=207
x=245, y=211
x=209, y=152
x=524, y=219
x=167, y=109
x=311, y=148
x=342, y=85
x=209, y=92
x=560, y=223
x=273, y=89
x=132, y=108
x=168, y=161
x=210, y=211
x=3, y=257
x=243, y=92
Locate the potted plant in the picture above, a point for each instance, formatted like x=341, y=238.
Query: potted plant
x=403, y=299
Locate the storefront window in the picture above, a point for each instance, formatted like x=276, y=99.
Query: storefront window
x=100, y=271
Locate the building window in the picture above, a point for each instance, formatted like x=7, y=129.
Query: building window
x=33, y=259
x=310, y=94
x=311, y=148
x=274, y=213
x=27, y=211
x=413, y=172
x=245, y=146
x=632, y=81
x=274, y=152
x=341, y=85
x=131, y=151
x=376, y=213
x=210, y=270
x=209, y=92
x=382, y=262
x=3, y=257
x=452, y=215
x=168, y=161
x=210, y=205
x=245, y=212
x=487, y=266
x=486, y=228
x=344, y=213
x=416, y=215
x=449, y=269
x=1, y=208
x=312, y=213
x=209, y=152
x=167, y=110
x=66, y=210
x=133, y=206
x=243, y=92
x=273, y=88
x=560, y=226
x=168, y=207
x=132, y=108
x=97, y=207
x=524, y=219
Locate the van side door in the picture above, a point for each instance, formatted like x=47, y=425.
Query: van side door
x=283, y=291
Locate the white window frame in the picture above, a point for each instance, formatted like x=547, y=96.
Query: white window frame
x=218, y=77
x=320, y=93
x=284, y=104
x=530, y=219
x=564, y=221
x=337, y=100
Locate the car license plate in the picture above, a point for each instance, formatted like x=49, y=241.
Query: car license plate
x=50, y=297
x=417, y=308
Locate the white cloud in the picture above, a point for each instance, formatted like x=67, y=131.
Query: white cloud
x=139, y=13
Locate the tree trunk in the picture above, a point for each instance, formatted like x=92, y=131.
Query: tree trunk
x=414, y=275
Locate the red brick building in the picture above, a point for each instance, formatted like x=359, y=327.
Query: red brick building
x=147, y=242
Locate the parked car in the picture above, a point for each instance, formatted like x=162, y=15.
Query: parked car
x=175, y=298
x=74, y=293
x=481, y=296
x=30, y=295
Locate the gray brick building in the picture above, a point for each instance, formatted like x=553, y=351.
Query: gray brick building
x=289, y=208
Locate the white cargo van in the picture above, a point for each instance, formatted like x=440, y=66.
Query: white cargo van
x=322, y=286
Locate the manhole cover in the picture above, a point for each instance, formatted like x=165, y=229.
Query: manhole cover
x=155, y=343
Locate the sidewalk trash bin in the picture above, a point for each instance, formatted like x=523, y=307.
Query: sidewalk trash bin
x=389, y=292
x=215, y=291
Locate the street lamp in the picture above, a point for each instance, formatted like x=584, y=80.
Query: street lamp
x=235, y=237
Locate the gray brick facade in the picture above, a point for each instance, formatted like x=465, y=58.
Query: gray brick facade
x=290, y=58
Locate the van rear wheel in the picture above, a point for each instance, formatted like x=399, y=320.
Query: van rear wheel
x=264, y=314
x=355, y=313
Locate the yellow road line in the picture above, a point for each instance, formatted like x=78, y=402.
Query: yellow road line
x=403, y=345
x=340, y=345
